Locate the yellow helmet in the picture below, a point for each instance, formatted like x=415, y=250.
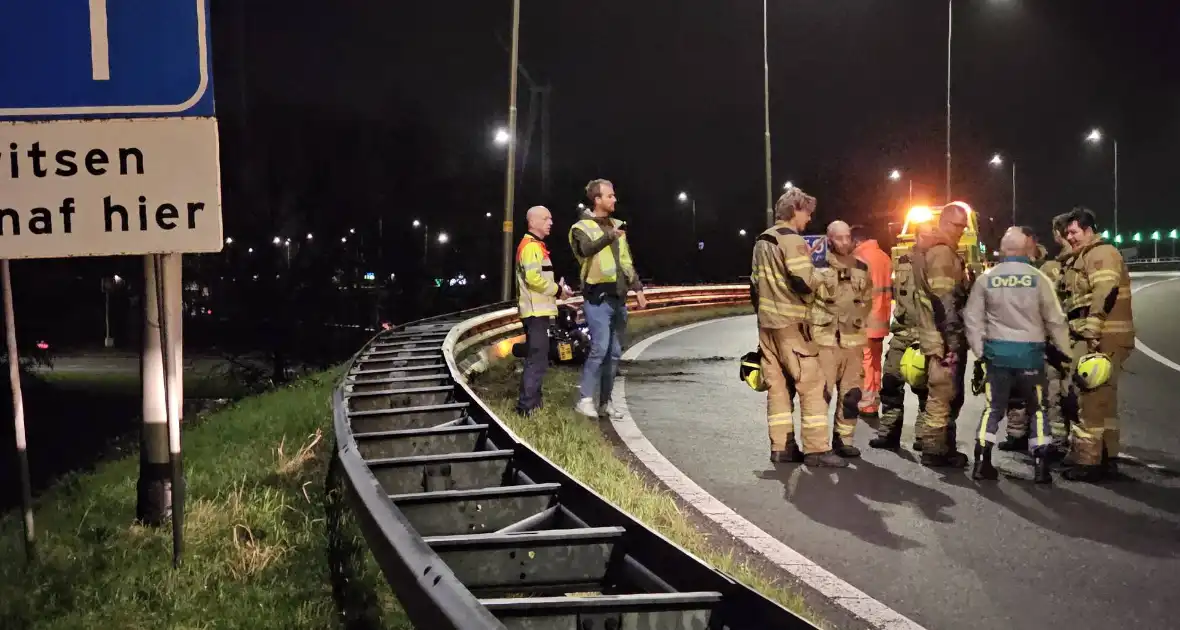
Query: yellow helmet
x=750, y=371
x=913, y=366
x=1094, y=370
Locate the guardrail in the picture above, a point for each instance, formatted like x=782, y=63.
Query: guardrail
x=473, y=529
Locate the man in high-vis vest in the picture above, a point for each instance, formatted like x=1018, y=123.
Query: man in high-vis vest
x=782, y=288
x=838, y=318
x=1098, y=307
x=608, y=273
x=942, y=285
x=537, y=303
x=877, y=327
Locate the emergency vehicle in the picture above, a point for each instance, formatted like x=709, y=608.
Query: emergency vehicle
x=969, y=246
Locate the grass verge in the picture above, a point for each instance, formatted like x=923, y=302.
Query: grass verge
x=580, y=447
x=257, y=546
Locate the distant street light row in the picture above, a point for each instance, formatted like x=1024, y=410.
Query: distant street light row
x=1094, y=137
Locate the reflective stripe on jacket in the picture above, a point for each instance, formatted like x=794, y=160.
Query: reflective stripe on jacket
x=534, y=279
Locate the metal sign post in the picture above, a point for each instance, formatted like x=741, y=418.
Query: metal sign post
x=18, y=412
x=110, y=144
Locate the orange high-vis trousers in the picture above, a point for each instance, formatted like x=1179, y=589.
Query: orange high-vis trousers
x=871, y=399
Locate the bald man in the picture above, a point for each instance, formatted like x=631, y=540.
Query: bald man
x=537, y=303
x=1011, y=312
x=940, y=286
x=838, y=317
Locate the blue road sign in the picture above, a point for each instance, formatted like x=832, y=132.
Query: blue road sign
x=817, y=256
x=105, y=59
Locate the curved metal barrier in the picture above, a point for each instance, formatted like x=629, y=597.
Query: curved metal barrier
x=474, y=529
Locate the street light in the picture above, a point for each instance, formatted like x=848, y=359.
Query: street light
x=229, y=241
x=895, y=175
x=488, y=215
x=998, y=161
x=741, y=232
x=1172, y=235
x=502, y=136
x=277, y=240
x=1155, y=245
x=1095, y=137
x=788, y=186
x=309, y=237
x=443, y=238
x=683, y=198
x=425, y=239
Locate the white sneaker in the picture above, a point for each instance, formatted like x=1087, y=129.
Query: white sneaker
x=609, y=410
x=585, y=407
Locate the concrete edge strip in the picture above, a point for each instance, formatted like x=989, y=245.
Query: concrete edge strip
x=1144, y=348
x=839, y=592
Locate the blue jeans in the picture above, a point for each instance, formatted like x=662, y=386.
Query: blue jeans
x=607, y=322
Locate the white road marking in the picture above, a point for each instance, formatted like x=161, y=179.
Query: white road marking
x=1142, y=347
x=838, y=591
x=100, y=58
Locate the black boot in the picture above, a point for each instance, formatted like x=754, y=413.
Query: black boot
x=848, y=452
x=1089, y=474
x=1013, y=443
x=827, y=459
x=790, y=456
x=1041, y=462
x=983, y=468
x=950, y=459
x=890, y=441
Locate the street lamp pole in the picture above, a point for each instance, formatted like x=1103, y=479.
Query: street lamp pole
x=1013, y=192
x=1116, y=184
x=766, y=113
x=950, y=9
x=510, y=175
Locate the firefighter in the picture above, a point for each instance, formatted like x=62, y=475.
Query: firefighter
x=1010, y=313
x=600, y=246
x=941, y=285
x=904, y=330
x=839, y=316
x=1056, y=385
x=537, y=304
x=782, y=288
x=1098, y=306
x=877, y=328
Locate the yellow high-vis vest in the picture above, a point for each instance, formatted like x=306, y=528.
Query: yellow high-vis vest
x=535, y=286
x=601, y=268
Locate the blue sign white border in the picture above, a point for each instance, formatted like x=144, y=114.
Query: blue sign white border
x=139, y=110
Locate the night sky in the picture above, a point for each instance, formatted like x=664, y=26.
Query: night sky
x=398, y=104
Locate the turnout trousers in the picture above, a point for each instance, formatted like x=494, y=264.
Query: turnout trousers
x=1002, y=387
x=536, y=335
x=1056, y=388
x=871, y=397
x=790, y=364
x=893, y=394
x=843, y=378
x=1097, y=428
x=942, y=405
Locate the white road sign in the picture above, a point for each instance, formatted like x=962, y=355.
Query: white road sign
x=109, y=187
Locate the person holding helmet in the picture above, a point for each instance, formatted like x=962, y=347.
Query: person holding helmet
x=783, y=282
x=901, y=367
x=1056, y=385
x=839, y=316
x=941, y=284
x=1098, y=307
x=1010, y=313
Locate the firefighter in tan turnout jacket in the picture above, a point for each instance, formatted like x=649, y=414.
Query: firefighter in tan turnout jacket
x=839, y=316
x=782, y=287
x=941, y=288
x=1097, y=301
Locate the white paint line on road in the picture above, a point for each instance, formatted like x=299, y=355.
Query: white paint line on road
x=840, y=593
x=1142, y=347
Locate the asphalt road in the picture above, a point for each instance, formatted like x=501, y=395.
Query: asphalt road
x=935, y=545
